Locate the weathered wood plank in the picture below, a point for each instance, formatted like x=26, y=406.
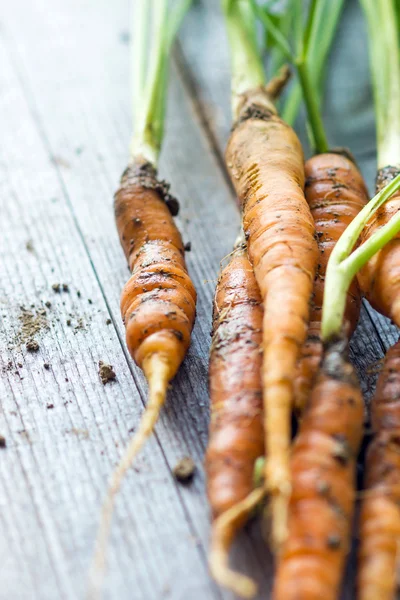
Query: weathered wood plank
x=84, y=121
x=64, y=430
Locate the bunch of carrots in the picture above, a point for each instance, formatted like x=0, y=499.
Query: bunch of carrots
x=312, y=244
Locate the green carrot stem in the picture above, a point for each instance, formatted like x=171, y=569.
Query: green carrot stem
x=343, y=265
x=246, y=64
x=320, y=141
x=384, y=46
x=151, y=104
x=140, y=37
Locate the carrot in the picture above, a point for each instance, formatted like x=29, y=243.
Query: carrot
x=335, y=192
x=265, y=160
x=323, y=469
x=380, y=511
x=311, y=561
x=158, y=303
x=380, y=278
x=236, y=437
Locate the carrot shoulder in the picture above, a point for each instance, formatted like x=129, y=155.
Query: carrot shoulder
x=265, y=160
x=380, y=277
x=335, y=192
x=323, y=464
x=380, y=511
x=236, y=437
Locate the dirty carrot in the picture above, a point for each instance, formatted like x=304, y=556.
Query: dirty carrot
x=334, y=188
x=236, y=437
x=324, y=455
x=158, y=302
x=335, y=192
x=265, y=161
x=380, y=511
x=380, y=278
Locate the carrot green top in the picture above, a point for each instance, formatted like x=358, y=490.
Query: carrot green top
x=383, y=20
x=155, y=30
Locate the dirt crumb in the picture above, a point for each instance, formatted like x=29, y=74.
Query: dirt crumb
x=50, y=406
x=69, y=322
x=46, y=366
x=106, y=372
x=3, y=442
x=29, y=246
x=56, y=288
x=48, y=304
x=108, y=322
x=32, y=323
x=32, y=346
x=65, y=287
x=184, y=470
x=81, y=433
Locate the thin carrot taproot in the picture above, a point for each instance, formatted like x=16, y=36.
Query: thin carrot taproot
x=265, y=161
x=236, y=437
x=158, y=303
x=335, y=192
x=379, y=549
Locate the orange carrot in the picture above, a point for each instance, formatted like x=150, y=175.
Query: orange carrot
x=265, y=161
x=158, y=306
x=380, y=512
x=335, y=192
x=380, y=278
x=236, y=437
x=158, y=302
x=323, y=468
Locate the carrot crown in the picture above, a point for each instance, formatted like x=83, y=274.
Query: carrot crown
x=154, y=32
x=383, y=20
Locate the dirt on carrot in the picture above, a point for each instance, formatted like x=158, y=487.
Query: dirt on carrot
x=323, y=463
x=335, y=192
x=236, y=436
x=265, y=161
x=380, y=509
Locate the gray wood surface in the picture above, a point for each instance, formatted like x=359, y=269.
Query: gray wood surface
x=65, y=128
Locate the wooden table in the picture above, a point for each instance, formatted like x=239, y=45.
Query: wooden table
x=65, y=128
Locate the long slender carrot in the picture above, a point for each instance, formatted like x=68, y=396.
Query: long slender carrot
x=380, y=512
x=323, y=467
x=158, y=303
x=335, y=192
x=236, y=436
x=265, y=161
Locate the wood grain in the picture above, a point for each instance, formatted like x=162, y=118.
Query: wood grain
x=65, y=106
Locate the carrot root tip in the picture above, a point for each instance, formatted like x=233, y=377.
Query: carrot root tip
x=157, y=371
x=224, y=528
